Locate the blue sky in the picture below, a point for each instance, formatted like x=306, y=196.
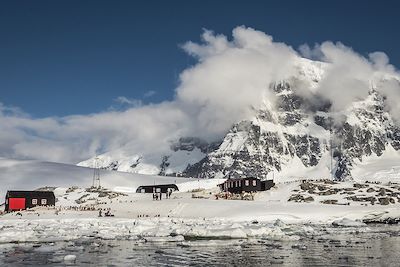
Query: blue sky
x=60, y=58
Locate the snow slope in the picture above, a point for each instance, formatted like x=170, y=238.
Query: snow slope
x=385, y=168
x=139, y=218
x=29, y=175
x=186, y=214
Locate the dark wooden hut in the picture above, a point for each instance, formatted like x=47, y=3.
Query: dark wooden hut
x=21, y=200
x=161, y=188
x=248, y=184
x=267, y=184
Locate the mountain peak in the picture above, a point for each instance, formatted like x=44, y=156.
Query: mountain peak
x=295, y=126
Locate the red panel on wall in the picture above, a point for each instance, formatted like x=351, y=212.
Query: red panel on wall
x=16, y=203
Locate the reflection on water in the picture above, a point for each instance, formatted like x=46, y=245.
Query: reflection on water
x=379, y=246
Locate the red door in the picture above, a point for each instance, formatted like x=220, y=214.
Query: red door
x=16, y=203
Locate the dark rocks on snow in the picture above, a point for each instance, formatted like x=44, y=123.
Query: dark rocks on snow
x=301, y=198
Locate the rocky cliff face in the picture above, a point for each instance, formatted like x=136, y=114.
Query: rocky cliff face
x=268, y=142
x=287, y=136
x=271, y=140
x=368, y=130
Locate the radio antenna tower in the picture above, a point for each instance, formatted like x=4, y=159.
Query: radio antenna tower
x=96, y=174
x=331, y=151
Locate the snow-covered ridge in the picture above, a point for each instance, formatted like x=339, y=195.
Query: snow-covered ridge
x=172, y=162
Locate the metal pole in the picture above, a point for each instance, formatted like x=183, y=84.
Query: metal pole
x=331, y=148
x=96, y=174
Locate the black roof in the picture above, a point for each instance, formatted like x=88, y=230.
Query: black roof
x=159, y=185
x=242, y=178
x=21, y=193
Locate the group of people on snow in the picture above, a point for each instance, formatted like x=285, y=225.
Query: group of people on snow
x=107, y=213
x=158, y=195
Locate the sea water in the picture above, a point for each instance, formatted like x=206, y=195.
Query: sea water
x=333, y=246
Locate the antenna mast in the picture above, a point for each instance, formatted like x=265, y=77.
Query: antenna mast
x=330, y=139
x=96, y=174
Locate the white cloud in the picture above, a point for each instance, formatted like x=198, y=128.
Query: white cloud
x=129, y=101
x=149, y=93
x=230, y=78
x=351, y=76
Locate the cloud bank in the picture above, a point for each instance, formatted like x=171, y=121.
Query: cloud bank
x=230, y=79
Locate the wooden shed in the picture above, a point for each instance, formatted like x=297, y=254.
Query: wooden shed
x=21, y=200
x=267, y=184
x=248, y=184
x=161, y=188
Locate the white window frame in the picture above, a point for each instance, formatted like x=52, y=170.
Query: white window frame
x=43, y=201
x=246, y=182
x=34, y=201
x=254, y=183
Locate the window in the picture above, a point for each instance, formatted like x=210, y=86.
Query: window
x=246, y=182
x=240, y=183
x=254, y=183
x=34, y=201
x=43, y=201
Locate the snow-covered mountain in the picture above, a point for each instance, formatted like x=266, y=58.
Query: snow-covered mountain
x=182, y=152
x=295, y=133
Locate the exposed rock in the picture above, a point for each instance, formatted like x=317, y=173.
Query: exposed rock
x=362, y=199
x=300, y=198
x=382, y=192
x=385, y=200
x=164, y=165
x=82, y=199
x=329, y=201
x=322, y=187
x=345, y=222
x=349, y=189
x=190, y=143
x=307, y=186
x=71, y=189
x=360, y=185
x=332, y=191
x=309, y=199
